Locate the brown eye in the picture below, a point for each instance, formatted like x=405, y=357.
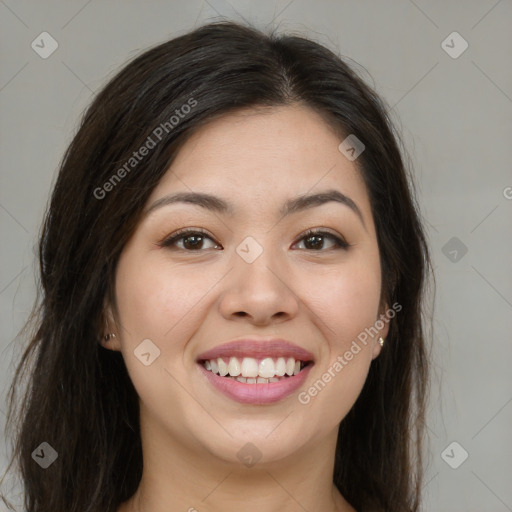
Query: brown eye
x=315, y=240
x=193, y=240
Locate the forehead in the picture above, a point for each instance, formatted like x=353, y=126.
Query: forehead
x=264, y=156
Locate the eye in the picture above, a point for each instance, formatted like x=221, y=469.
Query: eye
x=315, y=238
x=193, y=239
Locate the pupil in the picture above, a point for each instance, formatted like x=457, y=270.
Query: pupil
x=198, y=240
x=318, y=238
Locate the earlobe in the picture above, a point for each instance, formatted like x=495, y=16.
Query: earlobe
x=108, y=338
x=110, y=342
x=383, y=324
x=377, y=347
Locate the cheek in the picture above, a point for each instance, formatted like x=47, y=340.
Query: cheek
x=348, y=306
x=349, y=302
x=155, y=303
x=155, y=298
x=163, y=302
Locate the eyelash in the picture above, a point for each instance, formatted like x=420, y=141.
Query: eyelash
x=184, y=233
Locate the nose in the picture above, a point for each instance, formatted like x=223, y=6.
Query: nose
x=261, y=291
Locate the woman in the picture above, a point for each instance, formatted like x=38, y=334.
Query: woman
x=233, y=272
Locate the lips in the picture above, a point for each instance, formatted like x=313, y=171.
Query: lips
x=256, y=390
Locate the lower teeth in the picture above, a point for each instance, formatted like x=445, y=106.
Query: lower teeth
x=256, y=380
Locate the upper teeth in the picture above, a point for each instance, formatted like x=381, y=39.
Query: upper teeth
x=249, y=367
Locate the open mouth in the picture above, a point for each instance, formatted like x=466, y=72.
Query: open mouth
x=250, y=370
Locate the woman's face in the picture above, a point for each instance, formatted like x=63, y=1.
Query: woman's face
x=252, y=274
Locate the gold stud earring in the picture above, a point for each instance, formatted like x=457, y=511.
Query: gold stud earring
x=381, y=341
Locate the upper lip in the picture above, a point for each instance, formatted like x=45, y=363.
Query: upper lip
x=258, y=348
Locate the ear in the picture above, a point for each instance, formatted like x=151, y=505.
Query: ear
x=109, y=327
x=383, y=318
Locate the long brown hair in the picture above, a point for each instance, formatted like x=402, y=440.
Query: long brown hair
x=79, y=398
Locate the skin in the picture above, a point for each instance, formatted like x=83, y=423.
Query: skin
x=190, y=300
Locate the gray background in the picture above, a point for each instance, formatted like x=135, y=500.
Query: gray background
x=456, y=118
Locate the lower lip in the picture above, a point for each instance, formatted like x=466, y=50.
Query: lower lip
x=263, y=393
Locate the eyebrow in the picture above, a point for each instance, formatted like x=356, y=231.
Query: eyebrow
x=297, y=204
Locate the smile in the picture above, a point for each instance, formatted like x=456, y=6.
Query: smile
x=255, y=371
